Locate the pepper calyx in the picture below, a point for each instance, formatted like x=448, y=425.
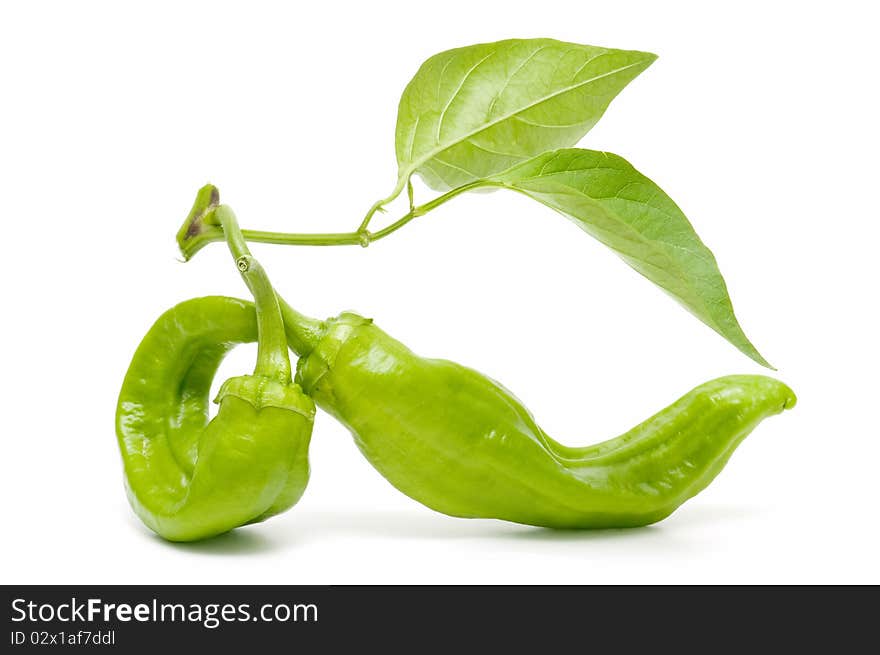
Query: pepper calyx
x=318, y=362
x=261, y=392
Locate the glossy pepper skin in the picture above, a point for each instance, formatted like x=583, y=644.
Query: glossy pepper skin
x=189, y=477
x=460, y=443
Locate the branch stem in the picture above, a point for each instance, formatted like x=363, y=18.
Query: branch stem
x=361, y=237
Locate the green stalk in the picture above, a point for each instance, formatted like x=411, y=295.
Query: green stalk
x=201, y=227
x=402, y=181
x=272, y=358
x=362, y=237
x=303, y=332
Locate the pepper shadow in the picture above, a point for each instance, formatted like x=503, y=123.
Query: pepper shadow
x=531, y=533
x=682, y=520
x=406, y=525
x=430, y=525
x=241, y=541
x=686, y=518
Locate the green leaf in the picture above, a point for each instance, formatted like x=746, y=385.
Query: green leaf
x=610, y=200
x=471, y=112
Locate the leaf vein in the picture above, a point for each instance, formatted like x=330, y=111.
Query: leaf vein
x=547, y=125
x=441, y=147
x=455, y=94
x=512, y=75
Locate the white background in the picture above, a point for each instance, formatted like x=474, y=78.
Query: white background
x=759, y=119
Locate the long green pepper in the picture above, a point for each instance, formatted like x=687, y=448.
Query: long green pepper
x=460, y=443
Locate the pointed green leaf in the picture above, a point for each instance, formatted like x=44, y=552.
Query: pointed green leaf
x=610, y=200
x=471, y=112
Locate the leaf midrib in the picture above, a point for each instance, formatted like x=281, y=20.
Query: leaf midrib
x=435, y=151
x=679, y=272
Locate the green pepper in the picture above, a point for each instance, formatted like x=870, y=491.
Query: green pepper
x=188, y=477
x=460, y=443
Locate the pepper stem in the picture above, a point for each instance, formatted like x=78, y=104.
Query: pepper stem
x=272, y=358
x=303, y=332
x=207, y=222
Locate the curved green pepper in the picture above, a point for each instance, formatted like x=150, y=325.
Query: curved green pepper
x=462, y=444
x=188, y=477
